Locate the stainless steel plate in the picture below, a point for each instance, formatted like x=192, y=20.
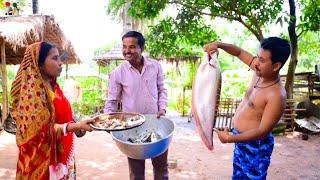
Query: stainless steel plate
x=121, y=116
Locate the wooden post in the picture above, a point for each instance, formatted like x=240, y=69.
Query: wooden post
x=183, y=97
x=67, y=71
x=35, y=6
x=99, y=70
x=4, y=83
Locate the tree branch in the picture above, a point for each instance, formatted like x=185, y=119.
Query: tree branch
x=302, y=31
x=190, y=7
x=258, y=36
x=257, y=32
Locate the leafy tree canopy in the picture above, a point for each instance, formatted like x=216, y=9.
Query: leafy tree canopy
x=171, y=38
x=182, y=34
x=310, y=18
x=254, y=15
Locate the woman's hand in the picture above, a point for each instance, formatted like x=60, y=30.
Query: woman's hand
x=84, y=124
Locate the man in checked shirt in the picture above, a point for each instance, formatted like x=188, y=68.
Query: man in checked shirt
x=139, y=84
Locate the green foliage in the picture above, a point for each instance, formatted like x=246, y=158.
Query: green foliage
x=2, y=7
x=165, y=36
x=310, y=19
x=279, y=130
x=111, y=66
x=192, y=69
x=234, y=86
x=307, y=20
x=90, y=102
x=254, y=15
x=115, y=6
x=173, y=38
x=93, y=95
x=141, y=9
x=178, y=77
x=102, y=50
x=11, y=74
x=183, y=106
x=309, y=51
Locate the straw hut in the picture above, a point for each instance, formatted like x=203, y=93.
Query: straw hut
x=17, y=32
x=114, y=54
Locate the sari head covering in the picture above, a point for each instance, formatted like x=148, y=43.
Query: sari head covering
x=39, y=136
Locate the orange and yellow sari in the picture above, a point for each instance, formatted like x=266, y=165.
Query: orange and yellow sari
x=41, y=115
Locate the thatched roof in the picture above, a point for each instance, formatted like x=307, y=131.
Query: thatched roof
x=116, y=54
x=113, y=54
x=20, y=31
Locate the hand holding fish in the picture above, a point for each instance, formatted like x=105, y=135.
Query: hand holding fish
x=224, y=135
x=211, y=48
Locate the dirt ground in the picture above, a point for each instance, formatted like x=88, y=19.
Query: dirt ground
x=98, y=157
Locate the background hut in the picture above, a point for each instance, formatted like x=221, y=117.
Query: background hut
x=17, y=32
x=114, y=54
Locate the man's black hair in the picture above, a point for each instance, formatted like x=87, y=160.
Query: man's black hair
x=279, y=48
x=137, y=35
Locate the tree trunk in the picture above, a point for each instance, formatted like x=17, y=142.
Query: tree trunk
x=35, y=7
x=4, y=83
x=127, y=21
x=294, y=49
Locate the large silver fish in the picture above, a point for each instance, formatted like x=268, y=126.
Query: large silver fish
x=205, y=95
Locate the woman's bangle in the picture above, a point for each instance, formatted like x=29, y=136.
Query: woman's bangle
x=64, y=129
x=77, y=128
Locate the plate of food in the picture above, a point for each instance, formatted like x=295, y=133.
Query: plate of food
x=117, y=121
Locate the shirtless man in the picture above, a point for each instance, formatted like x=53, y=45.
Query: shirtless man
x=260, y=110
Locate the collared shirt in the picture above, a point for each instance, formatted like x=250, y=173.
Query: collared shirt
x=139, y=92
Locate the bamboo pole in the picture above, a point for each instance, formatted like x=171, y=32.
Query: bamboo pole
x=4, y=83
x=99, y=70
x=67, y=67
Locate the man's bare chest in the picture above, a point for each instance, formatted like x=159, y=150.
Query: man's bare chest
x=256, y=99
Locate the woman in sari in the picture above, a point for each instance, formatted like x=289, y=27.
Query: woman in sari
x=43, y=116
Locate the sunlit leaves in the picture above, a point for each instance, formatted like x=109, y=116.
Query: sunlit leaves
x=139, y=9
x=171, y=36
x=181, y=34
x=115, y=6
x=2, y=4
x=310, y=19
x=178, y=37
x=146, y=8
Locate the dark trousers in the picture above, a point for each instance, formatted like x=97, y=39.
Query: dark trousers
x=160, y=168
